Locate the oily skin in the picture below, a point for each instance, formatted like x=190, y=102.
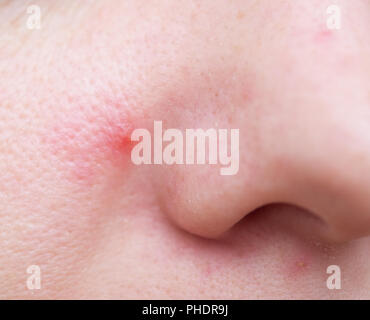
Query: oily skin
x=99, y=227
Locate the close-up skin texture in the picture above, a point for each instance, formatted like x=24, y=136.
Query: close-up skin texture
x=75, y=87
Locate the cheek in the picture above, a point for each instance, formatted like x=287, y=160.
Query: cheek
x=90, y=139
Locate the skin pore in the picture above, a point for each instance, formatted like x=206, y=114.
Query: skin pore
x=98, y=226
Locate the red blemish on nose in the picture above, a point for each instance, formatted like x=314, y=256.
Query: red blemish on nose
x=88, y=139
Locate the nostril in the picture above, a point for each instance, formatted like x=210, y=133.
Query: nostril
x=297, y=221
x=289, y=219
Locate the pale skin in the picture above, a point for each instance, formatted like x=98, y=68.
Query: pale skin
x=98, y=226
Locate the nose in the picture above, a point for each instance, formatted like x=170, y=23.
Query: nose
x=320, y=164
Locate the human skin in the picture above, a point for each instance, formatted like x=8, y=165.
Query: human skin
x=98, y=226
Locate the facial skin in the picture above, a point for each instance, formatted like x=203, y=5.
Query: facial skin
x=98, y=226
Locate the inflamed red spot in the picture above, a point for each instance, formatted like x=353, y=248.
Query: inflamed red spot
x=87, y=140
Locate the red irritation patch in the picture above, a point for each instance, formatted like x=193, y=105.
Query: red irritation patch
x=91, y=138
x=324, y=36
